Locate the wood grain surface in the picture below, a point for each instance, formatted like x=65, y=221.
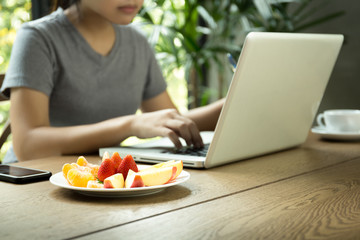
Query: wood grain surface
x=310, y=191
x=323, y=204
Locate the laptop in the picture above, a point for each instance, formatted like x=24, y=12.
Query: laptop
x=270, y=106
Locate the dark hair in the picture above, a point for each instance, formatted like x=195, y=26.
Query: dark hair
x=64, y=4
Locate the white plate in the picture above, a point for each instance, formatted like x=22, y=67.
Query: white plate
x=342, y=136
x=59, y=180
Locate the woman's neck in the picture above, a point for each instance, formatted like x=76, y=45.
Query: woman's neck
x=96, y=30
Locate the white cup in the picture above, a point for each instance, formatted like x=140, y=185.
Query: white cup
x=340, y=120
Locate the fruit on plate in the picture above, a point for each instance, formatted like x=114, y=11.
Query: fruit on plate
x=94, y=184
x=151, y=177
x=106, y=169
x=66, y=167
x=114, y=181
x=116, y=159
x=172, y=163
x=81, y=161
x=105, y=156
x=126, y=164
x=133, y=180
x=79, y=177
x=115, y=172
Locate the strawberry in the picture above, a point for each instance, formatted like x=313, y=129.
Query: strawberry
x=126, y=164
x=106, y=169
x=116, y=159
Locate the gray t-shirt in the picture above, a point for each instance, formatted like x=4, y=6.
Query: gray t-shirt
x=51, y=56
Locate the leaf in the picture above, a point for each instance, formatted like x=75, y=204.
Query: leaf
x=206, y=17
x=263, y=8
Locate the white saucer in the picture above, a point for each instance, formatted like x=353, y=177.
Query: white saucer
x=342, y=136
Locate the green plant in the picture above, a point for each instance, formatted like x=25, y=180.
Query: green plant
x=197, y=35
x=12, y=14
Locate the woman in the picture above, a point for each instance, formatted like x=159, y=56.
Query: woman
x=77, y=76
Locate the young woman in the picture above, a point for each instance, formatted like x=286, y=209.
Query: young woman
x=76, y=78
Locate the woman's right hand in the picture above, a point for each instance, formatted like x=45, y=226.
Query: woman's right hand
x=167, y=123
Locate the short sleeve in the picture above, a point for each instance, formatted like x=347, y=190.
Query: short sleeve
x=30, y=63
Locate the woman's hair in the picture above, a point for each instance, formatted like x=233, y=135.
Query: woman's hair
x=64, y=4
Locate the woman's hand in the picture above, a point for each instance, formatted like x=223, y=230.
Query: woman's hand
x=167, y=123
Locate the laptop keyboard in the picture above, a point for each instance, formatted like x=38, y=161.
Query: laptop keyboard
x=200, y=152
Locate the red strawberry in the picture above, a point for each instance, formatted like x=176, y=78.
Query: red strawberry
x=116, y=159
x=126, y=164
x=106, y=169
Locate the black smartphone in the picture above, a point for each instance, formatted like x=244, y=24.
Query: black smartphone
x=19, y=175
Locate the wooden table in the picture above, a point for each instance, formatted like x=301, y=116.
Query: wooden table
x=310, y=192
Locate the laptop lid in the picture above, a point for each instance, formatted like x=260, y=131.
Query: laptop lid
x=272, y=100
x=274, y=95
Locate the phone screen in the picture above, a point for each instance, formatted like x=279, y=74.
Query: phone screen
x=18, y=174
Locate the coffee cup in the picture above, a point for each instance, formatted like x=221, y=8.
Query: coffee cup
x=340, y=120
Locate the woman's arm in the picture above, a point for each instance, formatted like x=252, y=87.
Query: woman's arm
x=206, y=117
x=33, y=137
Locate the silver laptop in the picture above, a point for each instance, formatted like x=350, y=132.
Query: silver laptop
x=273, y=98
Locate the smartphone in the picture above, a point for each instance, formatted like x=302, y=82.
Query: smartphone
x=19, y=175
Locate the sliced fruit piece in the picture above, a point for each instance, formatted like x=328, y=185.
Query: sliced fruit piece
x=75, y=165
x=158, y=176
x=66, y=167
x=78, y=178
x=114, y=181
x=133, y=180
x=106, y=169
x=172, y=163
x=81, y=161
x=94, y=184
x=126, y=164
x=94, y=169
x=105, y=156
x=116, y=159
x=151, y=177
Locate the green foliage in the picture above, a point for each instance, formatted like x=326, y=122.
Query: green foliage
x=12, y=14
x=4, y=114
x=196, y=34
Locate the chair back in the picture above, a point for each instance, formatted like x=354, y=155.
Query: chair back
x=6, y=130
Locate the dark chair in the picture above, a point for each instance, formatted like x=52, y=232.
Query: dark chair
x=5, y=132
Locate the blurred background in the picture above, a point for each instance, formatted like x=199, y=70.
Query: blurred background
x=192, y=38
x=343, y=90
